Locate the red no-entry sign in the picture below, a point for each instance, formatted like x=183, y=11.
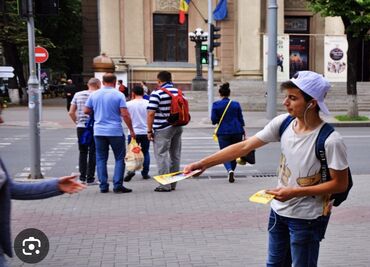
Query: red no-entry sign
x=41, y=54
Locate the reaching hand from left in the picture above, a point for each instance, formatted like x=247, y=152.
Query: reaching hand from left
x=68, y=184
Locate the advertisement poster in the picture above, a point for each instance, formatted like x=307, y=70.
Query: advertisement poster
x=298, y=54
x=336, y=58
x=282, y=58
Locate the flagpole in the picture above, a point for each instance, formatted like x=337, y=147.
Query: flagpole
x=210, y=61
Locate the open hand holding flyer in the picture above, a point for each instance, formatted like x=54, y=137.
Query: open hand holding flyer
x=174, y=177
x=261, y=197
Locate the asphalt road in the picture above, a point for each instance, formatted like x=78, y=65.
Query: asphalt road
x=59, y=153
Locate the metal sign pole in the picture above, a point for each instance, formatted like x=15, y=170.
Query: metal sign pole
x=271, y=59
x=210, y=61
x=33, y=100
x=40, y=90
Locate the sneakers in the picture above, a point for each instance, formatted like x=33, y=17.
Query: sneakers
x=146, y=177
x=231, y=177
x=122, y=190
x=129, y=176
x=162, y=189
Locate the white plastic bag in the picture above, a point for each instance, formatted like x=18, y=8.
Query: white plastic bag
x=134, y=158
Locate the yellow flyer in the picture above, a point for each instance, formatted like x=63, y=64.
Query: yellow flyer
x=174, y=177
x=261, y=197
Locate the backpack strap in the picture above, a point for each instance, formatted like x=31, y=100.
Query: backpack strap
x=285, y=124
x=168, y=92
x=324, y=133
x=222, y=117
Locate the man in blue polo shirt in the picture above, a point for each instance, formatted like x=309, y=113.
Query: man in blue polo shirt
x=109, y=107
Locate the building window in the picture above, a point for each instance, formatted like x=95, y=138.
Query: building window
x=170, y=38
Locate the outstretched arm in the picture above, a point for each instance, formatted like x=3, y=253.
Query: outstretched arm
x=227, y=154
x=45, y=189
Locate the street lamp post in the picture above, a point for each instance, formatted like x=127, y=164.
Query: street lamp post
x=33, y=99
x=198, y=36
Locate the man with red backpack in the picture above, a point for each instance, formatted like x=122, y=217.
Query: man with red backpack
x=165, y=133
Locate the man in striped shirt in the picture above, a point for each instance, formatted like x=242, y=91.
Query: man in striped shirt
x=87, y=158
x=166, y=137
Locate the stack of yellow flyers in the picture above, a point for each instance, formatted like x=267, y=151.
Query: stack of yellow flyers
x=261, y=197
x=174, y=177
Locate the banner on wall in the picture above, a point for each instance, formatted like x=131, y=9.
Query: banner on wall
x=335, y=58
x=282, y=57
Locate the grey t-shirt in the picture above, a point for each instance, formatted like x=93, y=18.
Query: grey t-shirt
x=299, y=166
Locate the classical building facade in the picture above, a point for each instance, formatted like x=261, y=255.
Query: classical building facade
x=144, y=36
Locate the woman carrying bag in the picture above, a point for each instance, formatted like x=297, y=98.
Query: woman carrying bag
x=230, y=129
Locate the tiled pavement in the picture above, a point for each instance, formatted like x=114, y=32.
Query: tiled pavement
x=205, y=222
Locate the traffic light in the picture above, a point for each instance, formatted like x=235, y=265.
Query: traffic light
x=46, y=7
x=214, y=36
x=2, y=5
x=22, y=6
x=204, y=54
x=42, y=8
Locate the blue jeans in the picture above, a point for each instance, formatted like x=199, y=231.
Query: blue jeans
x=225, y=140
x=117, y=144
x=3, y=262
x=142, y=140
x=295, y=238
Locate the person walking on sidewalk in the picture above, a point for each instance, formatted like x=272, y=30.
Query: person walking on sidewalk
x=87, y=157
x=166, y=138
x=301, y=207
x=109, y=105
x=228, y=115
x=137, y=107
x=69, y=92
x=26, y=191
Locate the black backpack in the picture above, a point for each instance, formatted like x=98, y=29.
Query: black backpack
x=324, y=133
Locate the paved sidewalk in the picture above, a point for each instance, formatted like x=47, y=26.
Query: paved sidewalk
x=203, y=223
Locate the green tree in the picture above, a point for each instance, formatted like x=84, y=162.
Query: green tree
x=355, y=15
x=61, y=35
x=65, y=32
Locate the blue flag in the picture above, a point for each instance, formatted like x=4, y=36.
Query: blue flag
x=220, y=12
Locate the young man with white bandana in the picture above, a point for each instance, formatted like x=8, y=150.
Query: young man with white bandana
x=300, y=209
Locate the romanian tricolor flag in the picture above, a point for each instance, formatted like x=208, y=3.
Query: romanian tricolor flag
x=184, y=7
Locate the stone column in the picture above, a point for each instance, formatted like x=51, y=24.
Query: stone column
x=249, y=39
x=334, y=26
x=132, y=24
x=109, y=28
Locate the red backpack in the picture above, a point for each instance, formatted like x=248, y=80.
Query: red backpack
x=179, y=111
